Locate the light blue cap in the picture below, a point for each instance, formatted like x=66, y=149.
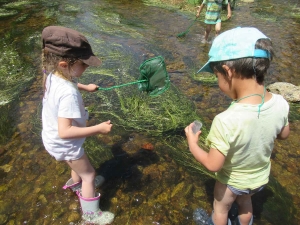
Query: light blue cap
x=234, y=44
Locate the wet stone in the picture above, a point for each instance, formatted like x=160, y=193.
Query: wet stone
x=3, y=218
x=73, y=217
x=43, y=199
x=22, y=127
x=6, y=168
x=137, y=200
x=3, y=188
x=198, y=193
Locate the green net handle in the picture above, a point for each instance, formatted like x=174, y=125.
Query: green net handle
x=121, y=85
x=188, y=29
x=192, y=24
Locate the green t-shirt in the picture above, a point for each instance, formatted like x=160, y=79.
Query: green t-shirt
x=213, y=10
x=247, y=141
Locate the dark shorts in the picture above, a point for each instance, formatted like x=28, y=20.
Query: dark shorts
x=245, y=192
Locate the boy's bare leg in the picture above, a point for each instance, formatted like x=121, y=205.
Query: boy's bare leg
x=223, y=199
x=245, y=208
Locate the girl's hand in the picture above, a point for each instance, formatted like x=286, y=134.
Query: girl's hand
x=92, y=87
x=105, y=127
x=89, y=87
x=191, y=137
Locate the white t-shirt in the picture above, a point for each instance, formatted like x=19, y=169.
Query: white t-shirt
x=62, y=99
x=247, y=141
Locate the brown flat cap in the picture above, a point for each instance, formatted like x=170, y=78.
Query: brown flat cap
x=68, y=43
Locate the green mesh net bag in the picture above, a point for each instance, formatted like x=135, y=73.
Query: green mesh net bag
x=154, y=78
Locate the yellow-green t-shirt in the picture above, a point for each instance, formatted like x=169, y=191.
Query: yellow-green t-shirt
x=247, y=141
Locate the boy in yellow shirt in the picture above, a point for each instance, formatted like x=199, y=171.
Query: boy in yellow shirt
x=241, y=138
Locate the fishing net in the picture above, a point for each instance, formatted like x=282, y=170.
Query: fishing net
x=154, y=78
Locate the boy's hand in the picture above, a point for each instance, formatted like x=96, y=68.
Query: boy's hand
x=191, y=137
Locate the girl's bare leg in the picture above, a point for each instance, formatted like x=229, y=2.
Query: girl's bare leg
x=75, y=177
x=223, y=199
x=83, y=168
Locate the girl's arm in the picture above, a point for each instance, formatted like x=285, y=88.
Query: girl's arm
x=67, y=130
x=284, y=133
x=212, y=160
x=89, y=87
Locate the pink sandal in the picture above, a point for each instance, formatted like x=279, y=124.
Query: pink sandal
x=99, y=180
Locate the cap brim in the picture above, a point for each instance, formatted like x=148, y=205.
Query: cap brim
x=92, y=61
x=206, y=68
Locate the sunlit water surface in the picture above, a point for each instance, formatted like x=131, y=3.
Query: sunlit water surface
x=144, y=185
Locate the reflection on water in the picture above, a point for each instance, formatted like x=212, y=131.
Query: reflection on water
x=145, y=185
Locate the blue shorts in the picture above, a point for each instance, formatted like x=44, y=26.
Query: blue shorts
x=245, y=192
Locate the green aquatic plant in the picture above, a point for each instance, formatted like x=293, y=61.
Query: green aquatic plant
x=294, y=113
x=6, y=13
x=109, y=24
x=184, y=6
x=265, y=13
x=96, y=151
x=180, y=152
x=71, y=8
x=6, y=127
x=156, y=116
x=295, y=12
x=14, y=73
x=142, y=115
x=164, y=117
x=206, y=78
x=22, y=18
x=277, y=199
x=50, y=13
x=17, y=5
x=265, y=16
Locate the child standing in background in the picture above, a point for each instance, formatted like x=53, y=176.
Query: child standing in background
x=66, y=54
x=213, y=16
x=241, y=138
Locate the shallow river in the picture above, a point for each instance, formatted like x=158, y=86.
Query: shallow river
x=150, y=176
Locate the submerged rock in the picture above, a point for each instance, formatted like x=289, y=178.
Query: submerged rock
x=148, y=146
x=290, y=92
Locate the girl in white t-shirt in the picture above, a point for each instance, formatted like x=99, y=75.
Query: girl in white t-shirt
x=66, y=54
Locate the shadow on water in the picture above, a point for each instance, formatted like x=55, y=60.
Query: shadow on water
x=160, y=184
x=122, y=171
